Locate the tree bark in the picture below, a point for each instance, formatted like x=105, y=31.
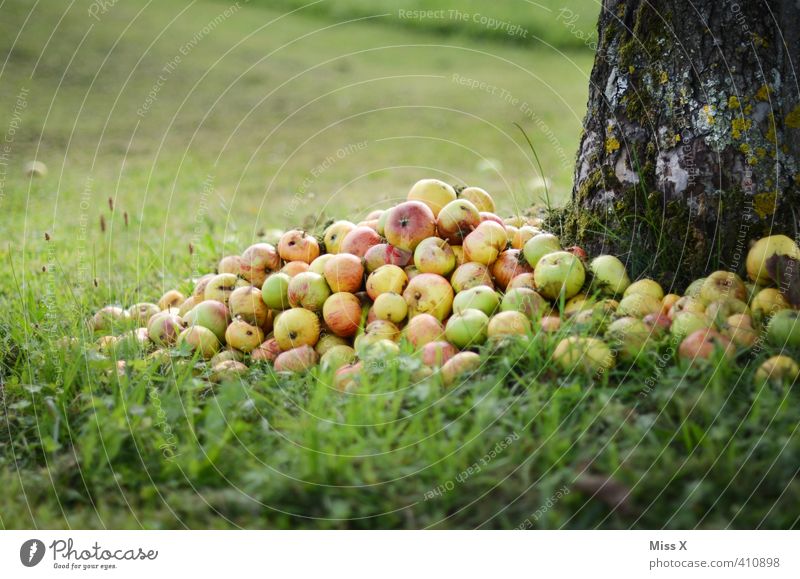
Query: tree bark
x=691, y=142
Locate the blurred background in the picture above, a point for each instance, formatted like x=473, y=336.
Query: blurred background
x=215, y=121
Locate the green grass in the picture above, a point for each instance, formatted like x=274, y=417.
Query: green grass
x=81, y=448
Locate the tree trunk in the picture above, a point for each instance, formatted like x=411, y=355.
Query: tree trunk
x=691, y=142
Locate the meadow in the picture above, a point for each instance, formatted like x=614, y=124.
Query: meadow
x=177, y=133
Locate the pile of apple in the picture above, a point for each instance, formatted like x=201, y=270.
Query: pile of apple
x=442, y=272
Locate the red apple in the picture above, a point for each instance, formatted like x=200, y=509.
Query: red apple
x=342, y=314
x=308, y=290
x=422, y=329
x=702, y=343
x=257, y=262
x=294, y=267
x=457, y=219
x=344, y=273
x=408, y=224
x=267, y=351
x=436, y=354
x=385, y=254
x=297, y=245
x=489, y=216
x=296, y=360
x=359, y=240
x=509, y=264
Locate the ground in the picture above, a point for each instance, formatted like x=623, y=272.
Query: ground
x=175, y=134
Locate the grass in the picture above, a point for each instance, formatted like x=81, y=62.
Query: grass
x=210, y=165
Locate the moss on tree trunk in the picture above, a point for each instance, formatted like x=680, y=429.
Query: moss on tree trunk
x=691, y=142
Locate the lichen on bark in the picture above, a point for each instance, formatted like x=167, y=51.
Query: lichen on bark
x=690, y=144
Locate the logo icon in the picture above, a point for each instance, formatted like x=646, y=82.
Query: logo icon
x=31, y=553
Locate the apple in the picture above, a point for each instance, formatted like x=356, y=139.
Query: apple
x=257, y=262
x=344, y=273
x=628, y=337
x=199, y=339
x=577, y=304
x=243, y=336
x=550, y=324
x=481, y=297
x=583, y=354
x=508, y=324
x=538, y=246
x=225, y=355
x=308, y=290
x=609, y=275
x=297, y=245
x=383, y=328
x=434, y=255
x=337, y=357
x=468, y=328
x=275, y=291
x=686, y=323
x=164, y=327
x=783, y=330
x=335, y=234
x=141, y=313
x=171, y=299
x=35, y=169
x=318, y=265
x=221, y=286
x=509, y=264
x=293, y=268
x=721, y=309
x=479, y=198
x=296, y=327
x=778, y=370
x=210, y=314
x=765, y=248
x=227, y=371
x=768, y=301
x=693, y=289
x=459, y=365
x=489, y=216
x=377, y=350
x=230, y=264
x=639, y=305
x=411, y=271
x=485, y=243
x=456, y=220
x=470, y=275
x=436, y=354
x=247, y=303
x=109, y=318
x=433, y=193
x=524, y=300
x=107, y=344
x=422, y=329
x=701, y=345
x=645, y=287
x=559, y=273
x=739, y=328
x=267, y=351
x=658, y=324
x=669, y=301
x=391, y=307
x=387, y=278
x=296, y=360
x=382, y=222
x=720, y=285
x=385, y=254
x=408, y=224
x=328, y=340
x=188, y=304
x=521, y=236
x=342, y=313
x=458, y=251
x=346, y=378
x=359, y=240
x=429, y=293
x=200, y=285
x=522, y=280
x=686, y=304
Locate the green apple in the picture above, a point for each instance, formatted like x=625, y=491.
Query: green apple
x=275, y=291
x=765, y=248
x=468, y=328
x=583, y=354
x=778, y=369
x=199, y=339
x=639, y=305
x=337, y=357
x=722, y=284
x=693, y=290
x=559, y=273
x=308, y=290
x=538, y=246
x=209, y=314
x=609, y=274
x=784, y=329
x=768, y=301
x=328, y=341
x=481, y=297
x=524, y=300
x=628, y=337
x=506, y=324
x=686, y=323
x=647, y=287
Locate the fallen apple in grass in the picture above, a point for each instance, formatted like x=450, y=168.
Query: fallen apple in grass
x=408, y=224
x=581, y=354
x=559, y=274
x=243, y=336
x=337, y=357
x=258, y=261
x=294, y=268
x=783, y=329
x=385, y=254
x=639, y=305
x=526, y=301
x=485, y=243
x=701, y=345
x=459, y=365
x=275, y=291
x=767, y=302
x=765, y=248
x=344, y=273
x=386, y=279
x=469, y=275
x=221, y=286
x=433, y=193
x=538, y=246
x=268, y=351
x=171, y=299
x=429, y=293
x=456, y=220
x=296, y=327
x=508, y=265
x=646, y=287
x=609, y=275
x=328, y=340
x=141, y=313
x=721, y=285
x=391, y=307
x=109, y=318
x=359, y=240
x=436, y=354
x=342, y=313
x=164, y=328
x=481, y=297
x=687, y=323
x=629, y=337
x=505, y=324
x=434, y=255
x=308, y=290
x=422, y=329
x=479, y=198
x=297, y=245
x=230, y=264
x=296, y=360
x=469, y=328
x=248, y=304
x=228, y=371
x=778, y=370
x=210, y=314
x=335, y=234
x=199, y=339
